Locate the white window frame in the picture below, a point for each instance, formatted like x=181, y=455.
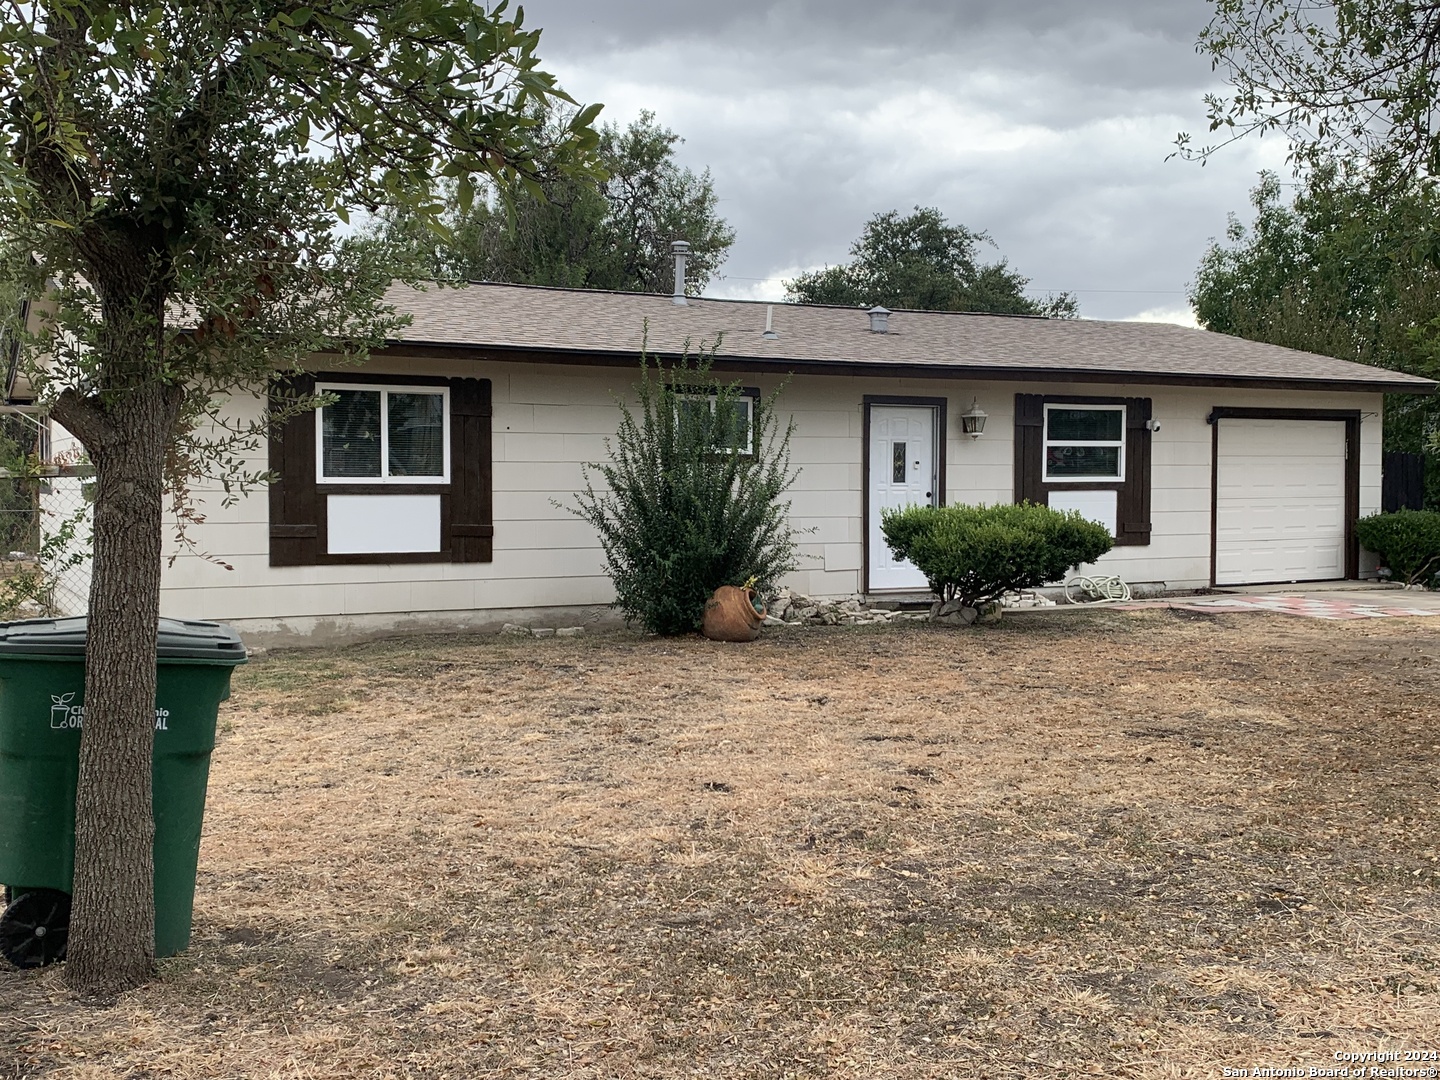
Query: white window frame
x=1046, y=443
x=384, y=390
x=751, y=400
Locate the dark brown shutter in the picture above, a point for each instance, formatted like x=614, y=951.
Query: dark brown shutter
x=472, y=525
x=1029, y=448
x=294, y=518
x=1132, y=525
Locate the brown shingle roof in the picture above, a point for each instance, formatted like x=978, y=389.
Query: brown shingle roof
x=606, y=325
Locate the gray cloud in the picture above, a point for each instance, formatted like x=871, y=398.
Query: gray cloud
x=1044, y=122
x=621, y=25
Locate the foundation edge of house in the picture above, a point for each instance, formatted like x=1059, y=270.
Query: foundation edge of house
x=329, y=631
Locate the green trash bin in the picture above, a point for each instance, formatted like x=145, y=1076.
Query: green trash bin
x=42, y=711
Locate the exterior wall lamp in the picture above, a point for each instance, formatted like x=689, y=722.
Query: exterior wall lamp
x=972, y=423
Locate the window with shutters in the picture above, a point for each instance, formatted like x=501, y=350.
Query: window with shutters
x=1089, y=454
x=386, y=470
x=384, y=435
x=1084, y=443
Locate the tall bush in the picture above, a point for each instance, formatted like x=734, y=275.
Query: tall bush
x=1407, y=541
x=691, y=496
x=976, y=554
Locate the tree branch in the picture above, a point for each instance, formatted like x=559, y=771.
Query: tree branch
x=83, y=418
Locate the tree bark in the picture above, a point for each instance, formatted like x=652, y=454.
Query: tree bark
x=112, y=922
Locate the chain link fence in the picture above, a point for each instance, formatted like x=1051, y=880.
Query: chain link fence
x=45, y=518
x=45, y=542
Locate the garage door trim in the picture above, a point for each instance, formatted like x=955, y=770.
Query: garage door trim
x=1349, y=417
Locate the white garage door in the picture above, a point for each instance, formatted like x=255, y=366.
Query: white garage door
x=1279, y=501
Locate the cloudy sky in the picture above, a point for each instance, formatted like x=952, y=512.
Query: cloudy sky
x=1043, y=122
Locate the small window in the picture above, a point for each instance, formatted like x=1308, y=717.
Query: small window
x=743, y=417
x=1084, y=442
x=384, y=435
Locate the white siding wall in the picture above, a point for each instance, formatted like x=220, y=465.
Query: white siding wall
x=64, y=500
x=548, y=420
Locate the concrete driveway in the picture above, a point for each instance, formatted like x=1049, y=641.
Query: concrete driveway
x=1335, y=600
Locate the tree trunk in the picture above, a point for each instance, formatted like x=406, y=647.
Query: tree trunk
x=112, y=923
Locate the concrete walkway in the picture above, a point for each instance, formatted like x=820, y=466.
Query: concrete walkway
x=1335, y=600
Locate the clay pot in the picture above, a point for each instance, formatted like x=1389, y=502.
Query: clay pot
x=730, y=615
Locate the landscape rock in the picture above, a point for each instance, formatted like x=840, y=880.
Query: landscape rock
x=787, y=608
x=570, y=631
x=514, y=630
x=1027, y=599
x=543, y=631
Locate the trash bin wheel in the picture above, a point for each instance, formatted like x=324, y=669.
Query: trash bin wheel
x=35, y=928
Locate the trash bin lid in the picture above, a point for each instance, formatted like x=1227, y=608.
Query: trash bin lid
x=177, y=639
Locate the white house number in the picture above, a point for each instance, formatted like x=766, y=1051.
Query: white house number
x=67, y=717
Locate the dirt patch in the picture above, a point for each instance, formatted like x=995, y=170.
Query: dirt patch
x=1118, y=843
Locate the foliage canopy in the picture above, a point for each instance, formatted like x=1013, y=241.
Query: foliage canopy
x=579, y=231
x=1338, y=78
x=1346, y=269
x=922, y=262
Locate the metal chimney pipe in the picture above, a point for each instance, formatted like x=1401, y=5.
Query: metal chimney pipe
x=680, y=249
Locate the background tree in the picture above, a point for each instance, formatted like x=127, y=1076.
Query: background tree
x=577, y=231
x=176, y=170
x=1352, y=78
x=922, y=262
x=1346, y=269
x=1349, y=270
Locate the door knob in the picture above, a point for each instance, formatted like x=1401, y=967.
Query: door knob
x=928, y=494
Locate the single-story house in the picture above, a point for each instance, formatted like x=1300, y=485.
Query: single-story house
x=432, y=493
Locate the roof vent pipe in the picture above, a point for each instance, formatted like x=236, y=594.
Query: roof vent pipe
x=879, y=320
x=680, y=249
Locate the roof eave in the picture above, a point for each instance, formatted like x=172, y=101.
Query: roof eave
x=838, y=366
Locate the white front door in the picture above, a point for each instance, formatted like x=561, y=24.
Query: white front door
x=1279, y=501
x=902, y=473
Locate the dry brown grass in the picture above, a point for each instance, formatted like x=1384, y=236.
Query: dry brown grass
x=1129, y=844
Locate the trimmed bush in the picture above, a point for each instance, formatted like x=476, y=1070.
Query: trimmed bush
x=691, y=496
x=975, y=554
x=1407, y=541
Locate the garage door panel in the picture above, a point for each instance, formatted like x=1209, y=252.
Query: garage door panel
x=1279, y=501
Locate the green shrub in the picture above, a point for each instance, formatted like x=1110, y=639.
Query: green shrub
x=691, y=496
x=1407, y=541
x=975, y=554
